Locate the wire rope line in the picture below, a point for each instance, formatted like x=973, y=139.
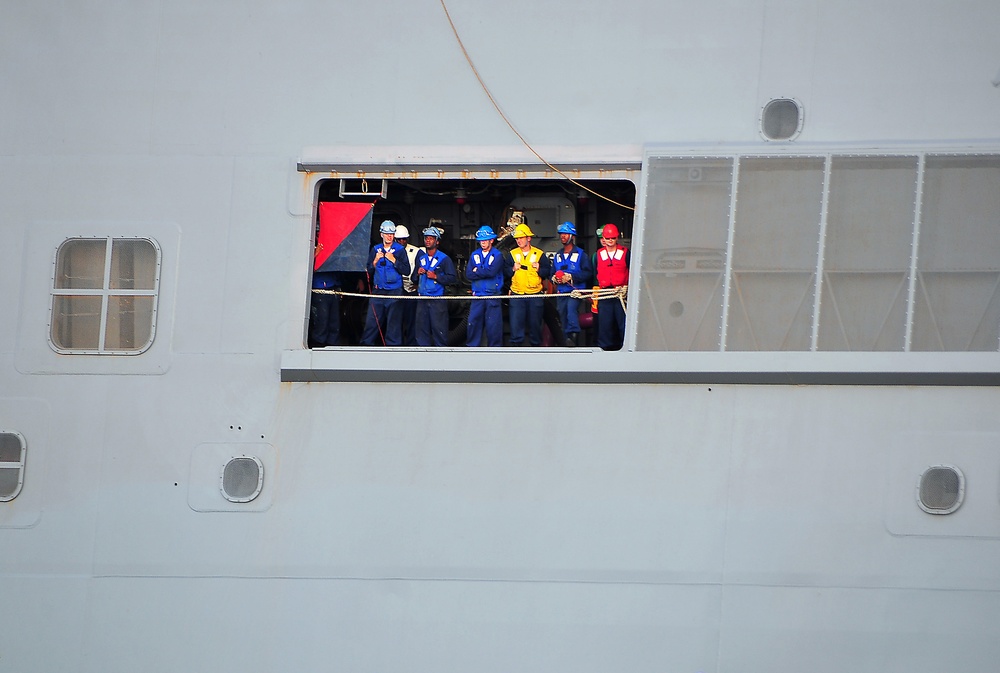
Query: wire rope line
x=507, y=121
x=620, y=292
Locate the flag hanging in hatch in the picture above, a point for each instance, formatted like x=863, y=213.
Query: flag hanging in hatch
x=344, y=234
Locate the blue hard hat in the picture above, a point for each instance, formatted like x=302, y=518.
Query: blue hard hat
x=566, y=228
x=485, y=234
x=433, y=231
x=387, y=227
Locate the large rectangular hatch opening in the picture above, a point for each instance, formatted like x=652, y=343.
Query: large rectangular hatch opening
x=458, y=206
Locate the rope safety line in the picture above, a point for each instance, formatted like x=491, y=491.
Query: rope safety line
x=620, y=292
x=511, y=125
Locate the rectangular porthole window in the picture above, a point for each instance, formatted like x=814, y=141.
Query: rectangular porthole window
x=104, y=296
x=12, y=451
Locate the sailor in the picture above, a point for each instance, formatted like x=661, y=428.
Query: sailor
x=527, y=266
x=432, y=272
x=485, y=270
x=409, y=288
x=612, y=272
x=324, y=314
x=572, y=271
x=387, y=265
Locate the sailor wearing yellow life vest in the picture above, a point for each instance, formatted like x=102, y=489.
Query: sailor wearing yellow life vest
x=527, y=267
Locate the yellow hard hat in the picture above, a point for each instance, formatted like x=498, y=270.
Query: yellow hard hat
x=522, y=230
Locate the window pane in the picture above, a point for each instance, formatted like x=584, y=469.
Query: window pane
x=957, y=305
x=775, y=248
x=869, y=236
x=80, y=264
x=76, y=322
x=133, y=265
x=79, y=320
x=130, y=321
x=10, y=448
x=684, y=253
x=10, y=478
x=13, y=465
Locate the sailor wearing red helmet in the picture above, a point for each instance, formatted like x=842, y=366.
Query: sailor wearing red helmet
x=612, y=272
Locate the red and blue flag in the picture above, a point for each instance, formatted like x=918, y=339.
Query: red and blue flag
x=344, y=235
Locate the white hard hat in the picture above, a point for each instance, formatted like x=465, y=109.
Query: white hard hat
x=402, y=232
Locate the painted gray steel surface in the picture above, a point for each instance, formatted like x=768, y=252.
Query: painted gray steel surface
x=679, y=518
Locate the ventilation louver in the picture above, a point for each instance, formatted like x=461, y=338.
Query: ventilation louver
x=242, y=479
x=941, y=490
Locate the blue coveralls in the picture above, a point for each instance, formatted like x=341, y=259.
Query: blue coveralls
x=324, y=314
x=385, y=315
x=432, y=316
x=485, y=270
x=577, y=264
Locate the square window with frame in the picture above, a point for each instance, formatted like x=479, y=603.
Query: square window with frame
x=104, y=293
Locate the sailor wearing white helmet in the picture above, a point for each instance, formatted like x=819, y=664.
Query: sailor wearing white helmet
x=409, y=287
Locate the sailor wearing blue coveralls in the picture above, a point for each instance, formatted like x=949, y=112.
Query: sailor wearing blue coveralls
x=572, y=272
x=324, y=318
x=432, y=272
x=387, y=264
x=485, y=270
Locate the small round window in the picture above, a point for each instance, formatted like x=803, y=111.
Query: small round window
x=941, y=489
x=781, y=119
x=242, y=479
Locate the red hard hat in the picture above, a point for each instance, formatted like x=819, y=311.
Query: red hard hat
x=609, y=231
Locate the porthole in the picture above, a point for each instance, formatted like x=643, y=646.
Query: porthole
x=12, y=452
x=242, y=479
x=941, y=489
x=781, y=119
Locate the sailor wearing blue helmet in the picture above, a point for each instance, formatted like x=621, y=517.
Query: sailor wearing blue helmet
x=432, y=271
x=572, y=272
x=485, y=270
